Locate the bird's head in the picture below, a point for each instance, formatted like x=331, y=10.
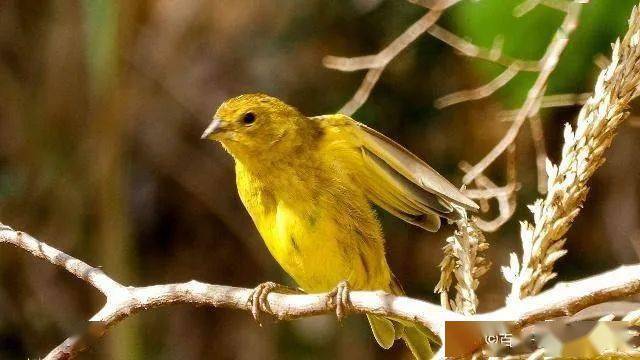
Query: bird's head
x=253, y=123
x=252, y=118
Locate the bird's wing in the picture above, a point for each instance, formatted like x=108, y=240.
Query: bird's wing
x=397, y=180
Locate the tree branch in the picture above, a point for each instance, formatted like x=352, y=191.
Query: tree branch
x=123, y=302
x=494, y=54
x=503, y=195
x=94, y=276
x=548, y=62
x=377, y=63
x=479, y=92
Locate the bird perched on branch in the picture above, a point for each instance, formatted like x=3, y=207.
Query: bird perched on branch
x=308, y=184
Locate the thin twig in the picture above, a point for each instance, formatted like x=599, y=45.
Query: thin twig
x=549, y=101
x=528, y=5
x=434, y=4
x=377, y=63
x=489, y=193
x=505, y=199
x=93, y=276
x=549, y=62
x=559, y=100
x=469, y=49
x=479, y=92
x=537, y=135
x=362, y=94
x=601, y=61
x=392, y=50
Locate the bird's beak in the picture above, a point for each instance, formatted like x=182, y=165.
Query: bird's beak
x=215, y=127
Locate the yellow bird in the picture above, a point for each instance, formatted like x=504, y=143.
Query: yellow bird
x=308, y=184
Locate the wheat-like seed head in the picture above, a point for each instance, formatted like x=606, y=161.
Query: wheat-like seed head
x=582, y=155
x=462, y=262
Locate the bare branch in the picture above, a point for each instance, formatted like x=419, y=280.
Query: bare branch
x=377, y=63
x=490, y=193
x=480, y=92
x=94, y=276
x=549, y=62
x=381, y=59
x=123, y=302
x=525, y=7
x=363, y=92
x=528, y=5
x=505, y=199
x=568, y=298
x=601, y=61
x=471, y=50
x=537, y=135
x=549, y=101
x=434, y=4
x=560, y=100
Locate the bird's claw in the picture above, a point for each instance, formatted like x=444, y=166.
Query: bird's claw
x=258, y=298
x=340, y=297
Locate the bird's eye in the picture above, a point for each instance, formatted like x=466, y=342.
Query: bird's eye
x=249, y=118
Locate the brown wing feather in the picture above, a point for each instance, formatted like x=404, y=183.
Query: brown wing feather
x=412, y=168
x=397, y=180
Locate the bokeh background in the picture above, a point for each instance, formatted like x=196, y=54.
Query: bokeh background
x=102, y=104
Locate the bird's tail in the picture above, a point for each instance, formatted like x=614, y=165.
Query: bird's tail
x=383, y=330
x=418, y=338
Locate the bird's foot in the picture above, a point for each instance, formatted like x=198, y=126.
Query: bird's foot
x=5, y=227
x=258, y=298
x=340, y=298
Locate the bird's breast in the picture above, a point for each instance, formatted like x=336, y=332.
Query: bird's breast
x=318, y=226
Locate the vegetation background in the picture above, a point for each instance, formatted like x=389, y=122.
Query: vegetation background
x=102, y=104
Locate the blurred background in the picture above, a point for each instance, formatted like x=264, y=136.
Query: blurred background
x=102, y=104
